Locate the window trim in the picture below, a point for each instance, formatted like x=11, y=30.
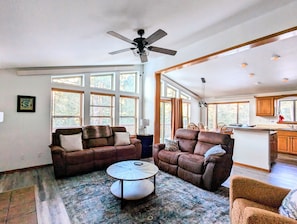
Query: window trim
x=80, y=109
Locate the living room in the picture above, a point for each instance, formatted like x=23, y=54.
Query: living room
x=25, y=136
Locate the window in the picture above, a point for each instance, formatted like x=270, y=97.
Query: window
x=288, y=109
x=75, y=80
x=101, y=109
x=129, y=113
x=171, y=92
x=102, y=81
x=96, y=98
x=227, y=113
x=128, y=82
x=66, y=108
x=186, y=113
x=165, y=120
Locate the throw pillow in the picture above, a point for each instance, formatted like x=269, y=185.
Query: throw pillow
x=71, y=142
x=289, y=205
x=171, y=145
x=215, y=151
x=121, y=138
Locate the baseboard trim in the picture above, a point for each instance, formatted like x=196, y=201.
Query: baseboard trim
x=249, y=166
x=25, y=169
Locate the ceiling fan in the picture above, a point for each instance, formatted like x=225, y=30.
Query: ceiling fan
x=143, y=45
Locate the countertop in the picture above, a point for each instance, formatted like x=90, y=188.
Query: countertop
x=262, y=128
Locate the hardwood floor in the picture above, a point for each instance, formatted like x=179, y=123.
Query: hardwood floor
x=51, y=209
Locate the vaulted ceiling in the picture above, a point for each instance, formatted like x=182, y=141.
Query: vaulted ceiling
x=74, y=33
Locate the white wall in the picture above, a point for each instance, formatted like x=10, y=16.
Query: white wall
x=24, y=136
x=272, y=22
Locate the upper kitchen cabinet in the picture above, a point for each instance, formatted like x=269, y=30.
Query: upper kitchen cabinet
x=265, y=106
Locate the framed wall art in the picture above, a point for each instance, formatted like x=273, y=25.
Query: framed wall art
x=26, y=103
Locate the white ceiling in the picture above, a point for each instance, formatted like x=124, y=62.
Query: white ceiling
x=49, y=33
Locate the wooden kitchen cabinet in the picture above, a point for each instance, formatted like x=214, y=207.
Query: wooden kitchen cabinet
x=287, y=142
x=265, y=106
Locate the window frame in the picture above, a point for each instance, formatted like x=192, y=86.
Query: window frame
x=136, y=109
x=80, y=117
x=216, y=112
x=112, y=108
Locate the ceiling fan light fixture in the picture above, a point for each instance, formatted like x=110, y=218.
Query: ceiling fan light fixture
x=251, y=75
x=285, y=79
x=275, y=57
x=244, y=65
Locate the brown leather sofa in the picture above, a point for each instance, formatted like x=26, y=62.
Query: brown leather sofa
x=189, y=162
x=98, y=151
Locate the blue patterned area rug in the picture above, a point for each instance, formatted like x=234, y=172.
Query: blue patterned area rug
x=88, y=199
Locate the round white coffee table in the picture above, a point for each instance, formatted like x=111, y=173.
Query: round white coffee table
x=132, y=179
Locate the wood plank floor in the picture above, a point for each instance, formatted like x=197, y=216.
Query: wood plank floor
x=51, y=209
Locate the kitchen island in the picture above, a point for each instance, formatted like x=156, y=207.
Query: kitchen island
x=255, y=147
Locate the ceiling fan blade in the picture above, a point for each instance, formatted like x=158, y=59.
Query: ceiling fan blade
x=123, y=50
x=117, y=35
x=143, y=57
x=162, y=50
x=155, y=36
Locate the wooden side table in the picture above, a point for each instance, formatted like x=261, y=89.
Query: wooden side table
x=147, y=145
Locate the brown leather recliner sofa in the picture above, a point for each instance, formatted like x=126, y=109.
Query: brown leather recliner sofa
x=99, y=150
x=189, y=162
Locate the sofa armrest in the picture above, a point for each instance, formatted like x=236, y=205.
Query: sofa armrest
x=257, y=191
x=256, y=215
x=57, y=149
x=213, y=159
x=156, y=149
x=134, y=141
x=138, y=146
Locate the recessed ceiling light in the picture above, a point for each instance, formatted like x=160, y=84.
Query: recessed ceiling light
x=275, y=57
x=251, y=75
x=243, y=65
x=285, y=80
x=258, y=83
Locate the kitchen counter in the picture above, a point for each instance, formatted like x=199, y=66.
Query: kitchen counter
x=263, y=128
x=253, y=147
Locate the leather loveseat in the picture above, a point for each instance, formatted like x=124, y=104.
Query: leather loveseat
x=189, y=162
x=98, y=150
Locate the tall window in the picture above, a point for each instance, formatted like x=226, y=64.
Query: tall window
x=129, y=113
x=165, y=121
x=288, y=109
x=101, y=109
x=227, y=113
x=186, y=113
x=66, y=108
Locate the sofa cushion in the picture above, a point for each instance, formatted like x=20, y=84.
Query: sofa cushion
x=125, y=152
x=79, y=157
x=97, y=142
x=187, y=139
x=71, y=142
x=121, y=138
x=104, y=152
x=171, y=145
x=207, y=140
x=96, y=131
x=239, y=206
x=215, y=151
x=169, y=157
x=289, y=205
x=192, y=163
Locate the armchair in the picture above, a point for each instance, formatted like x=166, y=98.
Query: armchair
x=253, y=202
